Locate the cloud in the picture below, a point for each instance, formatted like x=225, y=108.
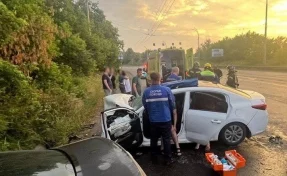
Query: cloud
x=213, y=18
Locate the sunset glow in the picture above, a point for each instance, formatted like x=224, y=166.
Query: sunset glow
x=214, y=19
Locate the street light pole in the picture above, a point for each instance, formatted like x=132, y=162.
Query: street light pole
x=265, y=45
x=197, y=43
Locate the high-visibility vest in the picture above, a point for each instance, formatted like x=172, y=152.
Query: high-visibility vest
x=207, y=75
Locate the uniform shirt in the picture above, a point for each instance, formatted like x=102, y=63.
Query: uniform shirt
x=173, y=77
x=194, y=73
x=159, y=103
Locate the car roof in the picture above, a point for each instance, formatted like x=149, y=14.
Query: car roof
x=207, y=84
x=187, y=83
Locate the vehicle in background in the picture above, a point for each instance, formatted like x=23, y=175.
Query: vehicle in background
x=206, y=112
x=162, y=61
x=90, y=157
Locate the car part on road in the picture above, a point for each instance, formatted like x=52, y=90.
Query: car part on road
x=233, y=134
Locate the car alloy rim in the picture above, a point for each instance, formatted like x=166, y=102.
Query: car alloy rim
x=233, y=133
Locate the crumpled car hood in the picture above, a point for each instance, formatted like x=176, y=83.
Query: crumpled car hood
x=117, y=100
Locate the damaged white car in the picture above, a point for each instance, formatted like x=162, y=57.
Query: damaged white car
x=209, y=112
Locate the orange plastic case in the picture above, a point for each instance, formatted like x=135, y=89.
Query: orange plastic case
x=240, y=162
x=215, y=166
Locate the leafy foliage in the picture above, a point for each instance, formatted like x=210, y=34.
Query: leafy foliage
x=48, y=53
x=134, y=58
x=247, y=49
x=34, y=42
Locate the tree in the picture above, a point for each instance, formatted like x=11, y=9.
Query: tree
x=247, y=49
x=129, y=56
x=34, y=42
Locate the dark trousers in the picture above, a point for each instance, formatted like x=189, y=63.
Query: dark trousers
x=161, y=129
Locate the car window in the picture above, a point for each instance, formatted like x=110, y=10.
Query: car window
x=207, y=101
x=179, y=101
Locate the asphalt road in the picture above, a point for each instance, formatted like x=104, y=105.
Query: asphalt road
x=263, y=158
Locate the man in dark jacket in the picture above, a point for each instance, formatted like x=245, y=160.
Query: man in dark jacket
x=194, y=72
x=218, y=73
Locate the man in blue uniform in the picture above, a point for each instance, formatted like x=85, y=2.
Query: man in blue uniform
x=174, y=75
x=159, y=103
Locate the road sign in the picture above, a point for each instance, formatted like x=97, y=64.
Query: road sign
x=217, y=52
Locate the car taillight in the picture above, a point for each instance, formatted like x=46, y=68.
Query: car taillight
x=260, y=106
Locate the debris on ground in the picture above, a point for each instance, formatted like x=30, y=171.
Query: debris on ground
x=275, y=140
x=74, y=138
x=89, y=126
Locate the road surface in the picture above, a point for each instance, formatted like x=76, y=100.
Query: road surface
x=263, y=158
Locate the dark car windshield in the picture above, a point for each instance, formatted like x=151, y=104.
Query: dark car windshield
x=35, y=163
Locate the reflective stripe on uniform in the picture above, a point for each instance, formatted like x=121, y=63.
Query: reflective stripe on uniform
x=156, y=99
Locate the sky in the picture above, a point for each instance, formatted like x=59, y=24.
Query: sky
x=142, y=23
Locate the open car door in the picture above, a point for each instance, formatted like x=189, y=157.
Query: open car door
x=122, y=125
x=205, y=117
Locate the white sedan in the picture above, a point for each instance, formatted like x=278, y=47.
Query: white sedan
x=207, y=112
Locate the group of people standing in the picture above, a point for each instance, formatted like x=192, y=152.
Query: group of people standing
x=213, y=74
x=109, y=82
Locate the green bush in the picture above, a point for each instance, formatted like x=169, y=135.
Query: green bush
x=19, y=107
x=46, y=110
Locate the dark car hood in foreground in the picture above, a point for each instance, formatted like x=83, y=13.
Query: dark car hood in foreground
x=91, y=157
x=100, y=156
x=35, y=163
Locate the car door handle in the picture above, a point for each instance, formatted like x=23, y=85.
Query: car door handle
x=216, y=121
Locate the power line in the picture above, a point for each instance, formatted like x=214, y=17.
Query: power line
x=159, y=12
x=161, y=20
x=127, y=27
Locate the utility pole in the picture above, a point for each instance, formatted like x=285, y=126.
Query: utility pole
x=197, y=43
x=265, y=45
x=88, y=15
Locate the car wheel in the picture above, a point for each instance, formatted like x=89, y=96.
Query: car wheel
x=233, y=134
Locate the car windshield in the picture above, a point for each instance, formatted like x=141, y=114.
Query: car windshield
x=136, y=103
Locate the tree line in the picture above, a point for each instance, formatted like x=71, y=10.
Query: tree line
x=49, y=54
x=130, y=57
x=246, y=49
